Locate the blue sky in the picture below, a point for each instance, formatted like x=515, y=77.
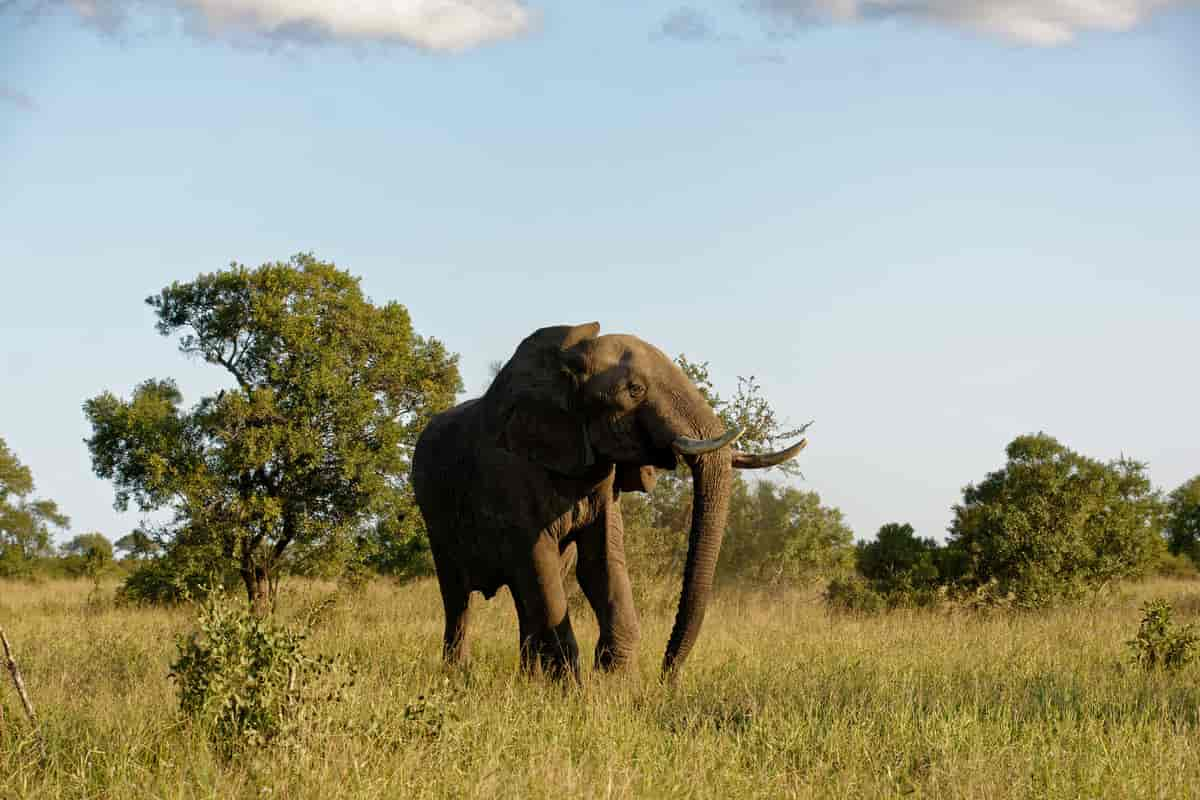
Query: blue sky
x=929, y=226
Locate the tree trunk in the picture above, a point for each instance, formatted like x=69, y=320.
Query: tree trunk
x=258, y=589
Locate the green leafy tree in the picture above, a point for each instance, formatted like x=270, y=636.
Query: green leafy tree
x=779, y=534
x=1051, y=522
x=25, y=521
x=1183, y=519
x=87, y=554
x=898, y=555
x=310, y=444
x=93, y=546
x=137, y=544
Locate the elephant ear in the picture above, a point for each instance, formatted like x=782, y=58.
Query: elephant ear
x=635, y=478
x=534, y=397
x=549, y=436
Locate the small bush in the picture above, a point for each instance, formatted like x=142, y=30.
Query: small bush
x=1160, y=643
x=247, y=680
x=179, y=575
x=853, y=595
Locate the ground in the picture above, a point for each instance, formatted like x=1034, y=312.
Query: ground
x=779, y=699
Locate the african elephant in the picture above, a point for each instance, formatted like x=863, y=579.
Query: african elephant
x=509, y=481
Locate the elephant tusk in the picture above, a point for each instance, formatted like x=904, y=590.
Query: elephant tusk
x=698, y=447
x=764, y=460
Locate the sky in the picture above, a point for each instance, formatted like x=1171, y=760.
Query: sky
x=929, y=226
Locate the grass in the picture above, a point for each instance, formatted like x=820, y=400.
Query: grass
x=779, y=699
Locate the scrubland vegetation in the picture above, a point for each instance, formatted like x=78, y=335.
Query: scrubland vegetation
x=1044, y=649
x=781, y=699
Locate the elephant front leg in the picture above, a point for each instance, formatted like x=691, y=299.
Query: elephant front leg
x=547, y=639
x=605, y=581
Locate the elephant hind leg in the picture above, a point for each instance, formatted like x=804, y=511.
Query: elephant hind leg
x=456, y=601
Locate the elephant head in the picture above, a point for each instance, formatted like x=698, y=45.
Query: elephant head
x=578, y=403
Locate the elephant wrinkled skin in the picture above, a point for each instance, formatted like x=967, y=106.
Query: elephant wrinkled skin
x=509, y=482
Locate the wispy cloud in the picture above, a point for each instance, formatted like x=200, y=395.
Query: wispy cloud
x=687, y=24
x=439, y=25
x=17, y=98
x=1035, y=22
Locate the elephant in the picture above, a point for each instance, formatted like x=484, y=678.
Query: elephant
x=513, y=483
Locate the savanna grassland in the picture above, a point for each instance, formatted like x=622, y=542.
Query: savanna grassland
x=780, y=699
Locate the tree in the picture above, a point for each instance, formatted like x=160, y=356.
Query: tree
x=900, y=565
x=781, y=534
x=762, y=430
x=137, y=544
x=1183, y=519
x=25, y=521
x=87, y=554
x=1052, y=522
x=774, y=533
x=311, y=442
x=90, y=546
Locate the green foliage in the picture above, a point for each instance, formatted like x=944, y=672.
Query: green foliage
x=25, y=521
x=1160, y=643
x=311, y=443
x=779, y=534
x=247, y=680
x=1052, y=523
x=775, y=534
x=396, y=544
x=852, y=594
x=1183, y=519
x=184, y=571
x=898, y=557
x=137, y=544
x=762, y=430
x=902, y=568
x=90, y=546
x=88, y=554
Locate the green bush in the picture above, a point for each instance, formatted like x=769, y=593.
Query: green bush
x=1052, y=524
x=853, y=595
x=1160, y=643
x=245, y=679
x=181, y=574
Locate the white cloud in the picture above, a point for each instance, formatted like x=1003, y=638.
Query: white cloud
x=442, y=25
x=1036, y=22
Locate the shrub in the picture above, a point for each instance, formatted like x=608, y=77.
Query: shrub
x=179, y=575
x=853, y=595
x=245, y=679
x=1051, y=523
x=1160, y=643
x=1183, y=519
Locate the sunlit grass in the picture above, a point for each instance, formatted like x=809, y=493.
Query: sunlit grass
x=780, y=699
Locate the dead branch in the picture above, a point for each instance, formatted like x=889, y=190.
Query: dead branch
x=18, y=681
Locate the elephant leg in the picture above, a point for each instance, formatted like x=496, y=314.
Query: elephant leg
x=605, y=581
x=456, y=602
x=547, y=639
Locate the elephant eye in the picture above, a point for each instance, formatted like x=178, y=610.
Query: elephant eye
x=636, y=390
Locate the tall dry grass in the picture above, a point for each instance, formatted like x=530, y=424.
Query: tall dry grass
x=780, y=699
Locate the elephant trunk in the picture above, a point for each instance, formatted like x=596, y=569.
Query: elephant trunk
x=712, y=480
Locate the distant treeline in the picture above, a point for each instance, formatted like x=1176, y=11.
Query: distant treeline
x=300, y=466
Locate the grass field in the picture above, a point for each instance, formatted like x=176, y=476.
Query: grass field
x=779, y=699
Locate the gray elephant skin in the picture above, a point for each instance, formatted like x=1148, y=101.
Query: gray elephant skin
x=512, y=482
